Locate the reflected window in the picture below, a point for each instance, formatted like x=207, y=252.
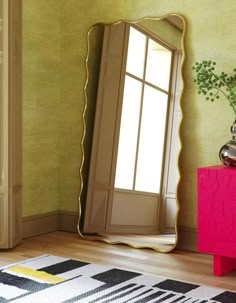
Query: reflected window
x=136, y=53
x=129, y=130
x=143, y=115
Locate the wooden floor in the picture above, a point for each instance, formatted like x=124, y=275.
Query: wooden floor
x=182, y=265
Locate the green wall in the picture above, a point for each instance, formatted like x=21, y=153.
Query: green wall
x=41, y=106
x=54, y=47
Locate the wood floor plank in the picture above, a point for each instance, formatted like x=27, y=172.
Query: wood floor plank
x=181, y=265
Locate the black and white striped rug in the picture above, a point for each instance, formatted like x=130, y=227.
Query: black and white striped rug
x=55, y=279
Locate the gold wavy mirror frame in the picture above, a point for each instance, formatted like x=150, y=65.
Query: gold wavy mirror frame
x=131, y=143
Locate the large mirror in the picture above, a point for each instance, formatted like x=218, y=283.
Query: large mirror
x=131, y=141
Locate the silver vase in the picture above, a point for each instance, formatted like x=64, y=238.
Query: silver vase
x=227, y=152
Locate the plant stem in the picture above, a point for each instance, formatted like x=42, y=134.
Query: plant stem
x=230, y=90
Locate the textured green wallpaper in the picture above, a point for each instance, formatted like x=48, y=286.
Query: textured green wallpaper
x=53, y=118
x=41, y=106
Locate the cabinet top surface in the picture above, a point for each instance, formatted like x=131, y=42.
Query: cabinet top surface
x=218, y=168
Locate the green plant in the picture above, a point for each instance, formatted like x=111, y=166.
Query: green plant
x=213, y=84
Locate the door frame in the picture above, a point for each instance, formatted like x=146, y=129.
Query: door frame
x=11, y=124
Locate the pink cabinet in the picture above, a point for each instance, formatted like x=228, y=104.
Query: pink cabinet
x=216, y=216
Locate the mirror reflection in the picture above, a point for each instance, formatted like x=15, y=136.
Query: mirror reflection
x=131, y=145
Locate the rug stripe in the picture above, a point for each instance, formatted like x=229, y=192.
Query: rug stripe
x=226, y=297
x=115, y=276
x=38, y=276
x=45, y=261
x=118, y=293
x=152, y=297
x=113, y=296
x=176, y=286
x=61, y=292
x=104, y=292
x=22, y=283
x=87, y=271
x=62, y=267
x=99, y=293
x=142, y=294
x=10, y=292
x=176, y=300
x=162, y=296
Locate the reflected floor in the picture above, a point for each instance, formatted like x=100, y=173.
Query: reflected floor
x=159, y=242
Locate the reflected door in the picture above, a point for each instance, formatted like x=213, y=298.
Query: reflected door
x=142, y=129
x=130, y=132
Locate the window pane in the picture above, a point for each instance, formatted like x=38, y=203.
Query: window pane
x=158, y=65
x=151, y=141
x=128, y=134
x=136, y=53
